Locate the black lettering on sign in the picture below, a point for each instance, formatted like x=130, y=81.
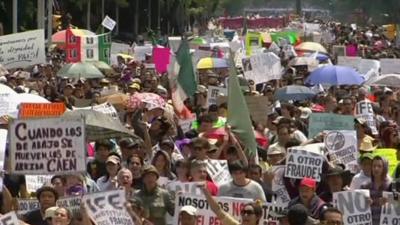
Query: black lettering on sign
x=352, y=202
x=101, y=201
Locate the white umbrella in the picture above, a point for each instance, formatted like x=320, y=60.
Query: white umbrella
x=13, y=101
x=4, y=89
x=391, y=80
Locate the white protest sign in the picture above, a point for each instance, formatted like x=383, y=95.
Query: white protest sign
x=73, y=203
x=105, y=108
x=355, y=206
x=141, y=51
x=27, y=205
x=309, y=28
x=117, y=48
x=390, y=66
x=365, y=111
x=47, y=146
x=369, y=64
x=9, y=219
x=338, y=50
x=184, y=187
x=174, y=43
x=232, y=206
x=214, y=92
x=264, y=67
x=342, y=147
x=390, y=212
x=349, y=61
x=301, y=163
x=278, y=187
x=108, y=208
x=3, y=142
x=218, y=171
x=108, y=23
x=162, y=181
x=34, y=182
x=199, y=54
x=6, y=107
x=22, y=49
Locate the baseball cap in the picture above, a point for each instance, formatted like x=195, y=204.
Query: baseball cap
x=308, y=182
x=50, y=212
x=113, y=159
x=305, y=112
x=366, y=156
x=189, y=210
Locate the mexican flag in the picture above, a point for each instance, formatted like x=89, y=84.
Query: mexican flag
x=182, y=79
x=87, y=48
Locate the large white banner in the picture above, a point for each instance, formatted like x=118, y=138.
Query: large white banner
x=218, y=171
x=22, y=49
x=342, y=148
x=3, y=142
x=264, y=67
x=355, y=206
x=47, y=146
x=389, y=66
x=390, y=212
x=108, y=208
x=9, y=219
x=73, y=203
x=302, y=163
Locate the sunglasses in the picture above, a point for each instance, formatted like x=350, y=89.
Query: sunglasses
x=247, y=212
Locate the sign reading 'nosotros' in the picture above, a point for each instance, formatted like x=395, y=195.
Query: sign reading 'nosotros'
x=47, y=146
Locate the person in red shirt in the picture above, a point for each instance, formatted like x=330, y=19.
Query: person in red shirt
x=198, y=172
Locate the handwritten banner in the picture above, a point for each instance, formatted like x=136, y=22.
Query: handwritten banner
x=47, y=146
x=355, y=207
x=34, y=182
x=22, y=49
x=329, y=121
x=108, y=208
x=30, y=110
x=302, y=163
x=27, y=205
x=342, y=148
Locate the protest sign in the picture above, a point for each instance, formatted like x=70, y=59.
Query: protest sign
x=73, y=203
x=278, y=187
x=27, y=205
x=213, y=94
x=218, y=171
x=5, y=105
x=186, y=124
x=47, y=146
x=309, y=28
x=105, y=108
x=390, y=155
x=355, y=206
x=108, y=23
x=117, y=48
x=205, y=215
x=301, y=163
x=390, y=66
x=369, y=64
x=161, y=57
x=30, y=110
x=390, y=212
x=329, y=121
x=34, y=182
x=264, y=67
x=199, y=54
x=259, y=106
x=22, y=49
x=253, y=42
x=365, y=111
x=108, y=208
x=349, y=61
x=9, y=219
x=141, y=51
x=342, y=148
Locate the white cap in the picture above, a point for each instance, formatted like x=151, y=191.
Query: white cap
x=189, y=210
x=305, y=112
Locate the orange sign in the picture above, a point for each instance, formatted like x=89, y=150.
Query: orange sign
x=31, y=110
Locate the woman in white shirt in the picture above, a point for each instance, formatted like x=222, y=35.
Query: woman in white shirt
x=109, y=181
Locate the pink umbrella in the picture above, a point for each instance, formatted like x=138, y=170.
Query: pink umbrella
x=147, y=100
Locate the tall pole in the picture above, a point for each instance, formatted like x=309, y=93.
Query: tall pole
x=88, y=13
x=117, y=18
x=15, y=16
x=159, y=14
x=149, y=14
x=102, y=9
x=40, y=13
x=49, y=22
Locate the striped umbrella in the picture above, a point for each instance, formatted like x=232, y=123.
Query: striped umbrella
x=212, y=63
x=100, y=126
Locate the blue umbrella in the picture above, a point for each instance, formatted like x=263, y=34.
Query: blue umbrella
x=335, y=75
x=294, y=92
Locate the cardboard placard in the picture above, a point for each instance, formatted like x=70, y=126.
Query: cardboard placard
x=31, y=110
x=365, y=111
x=302, y=163
x=9, y=219
x=259, y=106
x=342, y=148
x=22, y=49
x=278, y=187
x=47, y=146
x=108, y=208
x=264, y=67
x=355, y=206
x=329, y=121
